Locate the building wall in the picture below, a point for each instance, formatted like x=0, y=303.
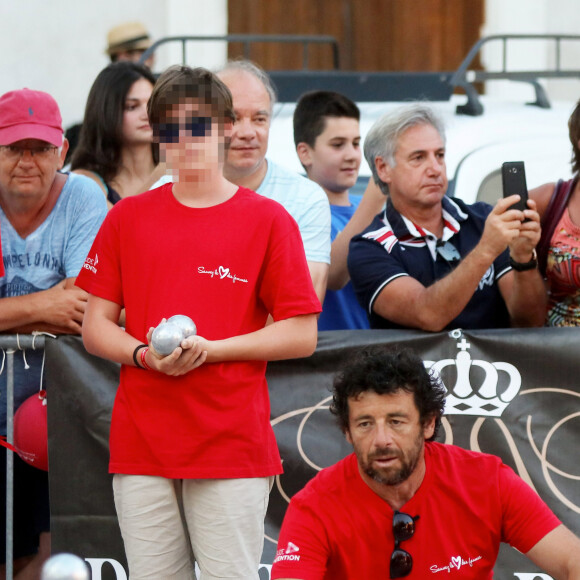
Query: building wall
x=533, y=16
x=374, y=35
x=58, y=45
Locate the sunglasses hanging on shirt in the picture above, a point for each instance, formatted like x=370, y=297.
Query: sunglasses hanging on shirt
x=403, y=529
x=447, y=251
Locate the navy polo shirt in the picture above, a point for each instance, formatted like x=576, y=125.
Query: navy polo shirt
x=392, y=246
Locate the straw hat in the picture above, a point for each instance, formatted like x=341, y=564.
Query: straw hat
x=127, y=36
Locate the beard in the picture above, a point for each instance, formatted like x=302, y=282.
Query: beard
x=393, y=475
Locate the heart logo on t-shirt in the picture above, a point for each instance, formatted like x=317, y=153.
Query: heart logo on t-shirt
x=456, y=562
x=223, y=272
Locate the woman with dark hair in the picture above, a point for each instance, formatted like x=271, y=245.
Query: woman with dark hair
x=116, y=147
x=559, y=247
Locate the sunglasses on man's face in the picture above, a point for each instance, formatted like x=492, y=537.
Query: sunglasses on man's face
x=403, y=529
x=194, y=127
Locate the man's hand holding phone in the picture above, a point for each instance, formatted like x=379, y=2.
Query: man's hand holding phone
x=513, y=179
x=523, y=246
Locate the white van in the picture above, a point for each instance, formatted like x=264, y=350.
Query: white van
x=482, y=132
x=476, y=146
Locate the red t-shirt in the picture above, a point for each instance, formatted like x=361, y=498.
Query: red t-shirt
x=227, y=267
x=337, y=528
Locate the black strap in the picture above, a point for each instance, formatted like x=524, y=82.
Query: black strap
x=551, y=217
x=135, y=352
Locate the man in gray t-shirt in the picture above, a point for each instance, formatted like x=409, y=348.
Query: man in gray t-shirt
x=48, y=221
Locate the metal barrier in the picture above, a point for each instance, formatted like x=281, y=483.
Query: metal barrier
x=394, y=86
x=10, y=344
x=465, y=78
x=248, y=39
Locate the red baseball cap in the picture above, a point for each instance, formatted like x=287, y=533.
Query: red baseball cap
x=27, y=114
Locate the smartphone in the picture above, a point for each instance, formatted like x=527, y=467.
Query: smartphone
x=513, y=179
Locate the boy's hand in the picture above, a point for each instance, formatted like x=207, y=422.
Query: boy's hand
x=191, y=354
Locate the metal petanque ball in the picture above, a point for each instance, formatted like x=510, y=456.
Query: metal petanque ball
x=185, y=323
x=166, y=338
x=65, y=567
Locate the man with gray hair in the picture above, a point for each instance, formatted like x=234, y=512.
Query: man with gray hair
x=432, y=262
x=246, y=165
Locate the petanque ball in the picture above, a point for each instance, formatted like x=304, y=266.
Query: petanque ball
x=185, y=323
x=166, y=338
x=64, y=567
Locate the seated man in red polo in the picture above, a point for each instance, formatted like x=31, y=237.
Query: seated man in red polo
x=403, y=505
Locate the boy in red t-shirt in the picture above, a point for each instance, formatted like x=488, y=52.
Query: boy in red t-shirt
x=190, y=433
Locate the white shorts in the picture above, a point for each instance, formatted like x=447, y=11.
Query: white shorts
x=167, y=525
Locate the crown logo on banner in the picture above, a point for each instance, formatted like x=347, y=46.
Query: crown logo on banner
x=482, y=398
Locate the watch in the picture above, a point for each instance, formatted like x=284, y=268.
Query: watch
x=523, y=266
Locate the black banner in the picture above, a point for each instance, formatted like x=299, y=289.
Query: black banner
x=513, y=393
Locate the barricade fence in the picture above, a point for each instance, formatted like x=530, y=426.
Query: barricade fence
x=513, y=393
x=10, y=346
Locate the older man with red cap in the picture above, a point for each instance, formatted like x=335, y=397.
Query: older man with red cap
x=48, y=221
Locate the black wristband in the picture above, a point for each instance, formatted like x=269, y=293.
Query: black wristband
x=523, y=266
x=135, y=352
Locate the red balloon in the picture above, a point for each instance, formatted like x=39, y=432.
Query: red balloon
x=31, y=431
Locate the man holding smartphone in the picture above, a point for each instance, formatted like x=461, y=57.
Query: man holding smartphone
x=432, y=262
